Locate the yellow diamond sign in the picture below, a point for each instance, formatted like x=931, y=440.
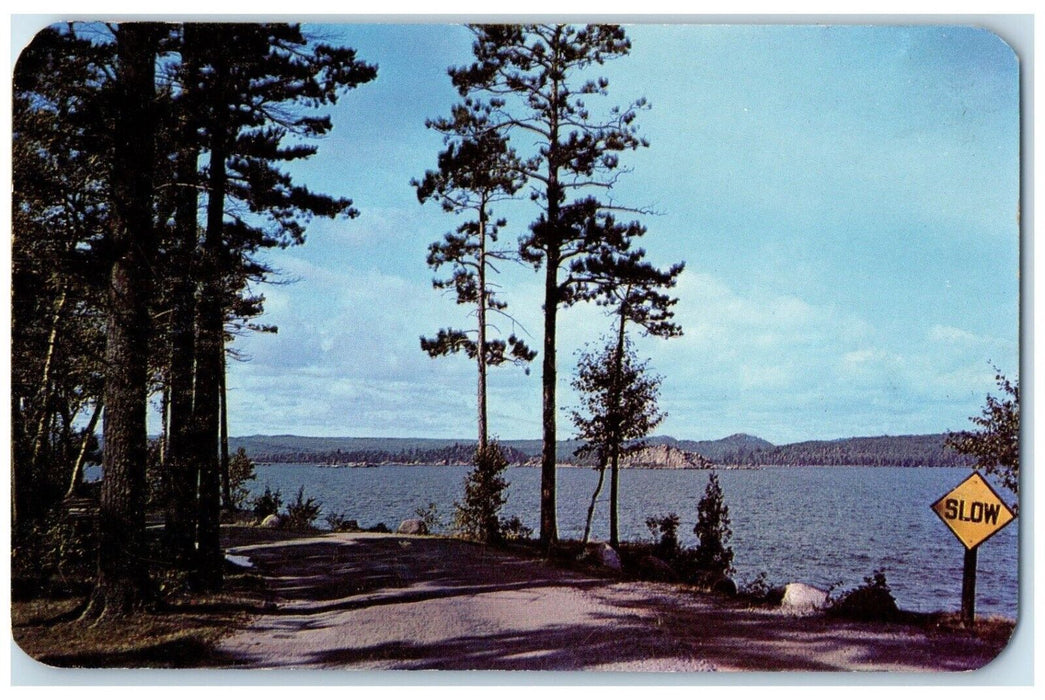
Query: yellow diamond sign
x=973, y=511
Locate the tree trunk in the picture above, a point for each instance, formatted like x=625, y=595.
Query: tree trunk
x=210, y=347
x=165, y=415
x=549, y=533
x=553, y=258
x=121, y=584
x=615, y=426
x=45, y=401
x=226, y=486
x=481, y=341
x=81, y=456
x=594, y=498
x=180, y=464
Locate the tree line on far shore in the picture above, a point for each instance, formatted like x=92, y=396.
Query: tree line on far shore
x=881, y=451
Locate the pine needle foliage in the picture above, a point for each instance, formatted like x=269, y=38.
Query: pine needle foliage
x=485, y=493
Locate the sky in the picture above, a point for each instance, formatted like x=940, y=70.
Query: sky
x=845, y=198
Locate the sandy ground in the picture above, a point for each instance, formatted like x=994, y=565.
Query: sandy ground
x=368, y=601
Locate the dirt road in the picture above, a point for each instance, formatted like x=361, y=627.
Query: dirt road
x=367, y=601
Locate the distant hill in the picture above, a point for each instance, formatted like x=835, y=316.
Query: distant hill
x=736, y=450
x=882, y=451
x=715, y=450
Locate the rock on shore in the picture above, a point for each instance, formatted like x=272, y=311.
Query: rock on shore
x=667, y=457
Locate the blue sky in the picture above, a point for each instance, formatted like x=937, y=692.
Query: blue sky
x=845, y=198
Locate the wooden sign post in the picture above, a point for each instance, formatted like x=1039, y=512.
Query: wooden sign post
x=973, y=512
x=969, y=588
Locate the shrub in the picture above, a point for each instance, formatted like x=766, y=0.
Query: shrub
x=429, y=517
x=241, y=470
x=512, y=529
x=476, y=518
x=302, y=513
x=713, y=557
x=665, y=536
x=759, y=589
x=57, y=552
x=267, y=503
x=871, y=601
x=339, y=522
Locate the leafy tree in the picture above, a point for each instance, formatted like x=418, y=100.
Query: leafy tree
x=241, y=471
x=537, y=78
x=484, y=495
x=619, y=400
x=631, y=289
x=713, y=557
x=476, y=169
x=996, y=445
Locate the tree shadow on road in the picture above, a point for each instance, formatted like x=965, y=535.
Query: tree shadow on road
x=633, y=626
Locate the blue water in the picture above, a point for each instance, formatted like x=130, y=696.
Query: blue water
x=819, y=525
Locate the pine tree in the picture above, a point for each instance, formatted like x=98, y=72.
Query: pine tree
x=476, y=517
x=536, y=78
x=476, y=170
x=253, y=86
x=121, y=584
x=713, y=557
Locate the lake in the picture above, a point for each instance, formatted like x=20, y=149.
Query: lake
x=817, y=525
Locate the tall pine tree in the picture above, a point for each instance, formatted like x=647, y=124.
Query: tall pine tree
x=260, y=86
x=537, y=78
x=254, y=87
x=121, y=584
x=476, y=170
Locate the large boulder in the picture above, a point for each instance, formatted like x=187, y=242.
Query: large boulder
x=412, y=526
x=604, y=555
x=803, y=598
x=272, y=520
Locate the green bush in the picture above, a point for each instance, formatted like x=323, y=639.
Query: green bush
x=430, y=518
x=871, y=601
x=485, y=492
x=339, y=522
x=513, y=530
x=665, y=537
x=241, y=470
x=301, y=513
x=267, y=503
x=58, y=552
x=713, y=557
